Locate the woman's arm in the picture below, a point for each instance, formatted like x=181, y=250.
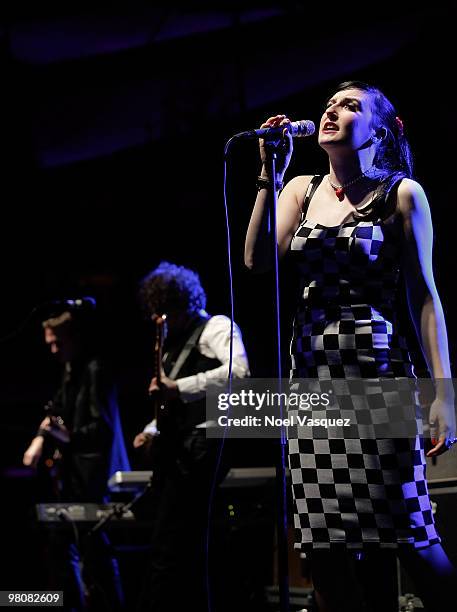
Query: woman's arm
x=257, y=251
x=424, y=302
x=423, y=299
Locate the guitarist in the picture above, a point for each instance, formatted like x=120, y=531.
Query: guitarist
x=84, y=419
x=83, y=423
x=196, y=353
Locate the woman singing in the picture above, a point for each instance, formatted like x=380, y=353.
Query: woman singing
x=359, y=503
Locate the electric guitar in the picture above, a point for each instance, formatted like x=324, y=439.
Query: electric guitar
x=160, y=335
x=149, y=446
x=53, y=461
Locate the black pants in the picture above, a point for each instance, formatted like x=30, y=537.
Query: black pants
x=84, y=569
x=176, y=577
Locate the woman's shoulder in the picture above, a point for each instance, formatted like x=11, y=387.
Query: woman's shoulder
x=399, y=199
x=299, y=184
x=410, y=187
x=411, y=197
x=302, y=179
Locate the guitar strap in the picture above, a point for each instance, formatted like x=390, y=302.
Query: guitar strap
x=187, y=348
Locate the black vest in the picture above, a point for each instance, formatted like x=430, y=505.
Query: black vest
x=189, y=414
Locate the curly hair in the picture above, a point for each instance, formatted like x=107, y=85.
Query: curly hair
x=171, y=288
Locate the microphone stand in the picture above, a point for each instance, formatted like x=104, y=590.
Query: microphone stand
x=117, y=511
x=281, y=484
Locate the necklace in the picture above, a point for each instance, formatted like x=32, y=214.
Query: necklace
x=339, y=189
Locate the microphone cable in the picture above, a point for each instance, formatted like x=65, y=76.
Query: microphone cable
x=21, y=327
x=282, y=460
x=229, y=378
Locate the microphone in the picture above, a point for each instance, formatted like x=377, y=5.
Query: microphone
x=297, y=129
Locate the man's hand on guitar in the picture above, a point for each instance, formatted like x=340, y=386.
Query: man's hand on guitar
x=165, y=388
x=55, y=427
x=142, y=439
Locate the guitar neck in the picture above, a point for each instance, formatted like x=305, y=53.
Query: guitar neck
x=157, y=362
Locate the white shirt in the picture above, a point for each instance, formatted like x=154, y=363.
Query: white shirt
x=214, y=342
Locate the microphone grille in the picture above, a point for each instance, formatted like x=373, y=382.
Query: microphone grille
x=302, y=128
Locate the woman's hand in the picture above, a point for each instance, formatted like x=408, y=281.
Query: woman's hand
x=442, y=426
x=284, y=153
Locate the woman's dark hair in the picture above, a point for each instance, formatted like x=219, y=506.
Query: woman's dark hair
x=171, y=288
x=393, y=154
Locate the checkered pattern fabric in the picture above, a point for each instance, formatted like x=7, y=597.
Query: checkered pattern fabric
x=357, y=489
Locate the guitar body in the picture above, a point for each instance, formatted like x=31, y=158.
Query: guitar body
x=53, y=460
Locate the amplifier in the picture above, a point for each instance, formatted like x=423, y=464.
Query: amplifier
x=249, y=477
x=80, y=513
x=443, y=466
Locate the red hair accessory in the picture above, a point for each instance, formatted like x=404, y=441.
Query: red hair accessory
x=399, y=124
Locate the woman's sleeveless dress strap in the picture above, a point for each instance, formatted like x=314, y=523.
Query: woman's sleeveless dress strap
x=313, y=185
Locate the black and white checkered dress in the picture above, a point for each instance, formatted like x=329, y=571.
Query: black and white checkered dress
x=357, y=493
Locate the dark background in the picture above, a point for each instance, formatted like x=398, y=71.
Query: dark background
x=113, y=123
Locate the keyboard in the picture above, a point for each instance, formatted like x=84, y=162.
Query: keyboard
x=80, y=513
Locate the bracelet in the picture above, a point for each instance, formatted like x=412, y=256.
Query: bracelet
x=265, y=183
